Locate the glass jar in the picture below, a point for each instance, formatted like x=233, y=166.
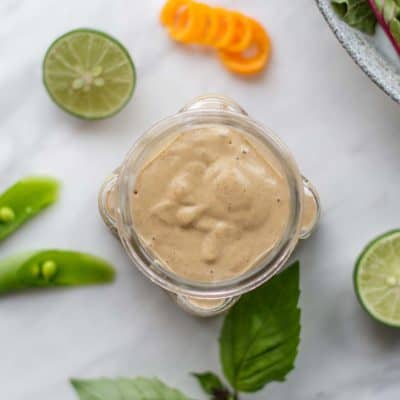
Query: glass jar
x=205, y=298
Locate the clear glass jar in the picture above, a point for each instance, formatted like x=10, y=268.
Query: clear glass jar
x=201, y=298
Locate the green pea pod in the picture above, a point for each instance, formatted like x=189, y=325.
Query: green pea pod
x=52, y=268
x=24, y=200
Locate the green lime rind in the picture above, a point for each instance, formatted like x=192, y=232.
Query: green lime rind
x=125, y=84
x=377, y=277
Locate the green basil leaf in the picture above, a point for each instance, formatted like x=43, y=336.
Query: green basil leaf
x=261, y=333
x=211, y=384
x=125, y=389
x=356, y=13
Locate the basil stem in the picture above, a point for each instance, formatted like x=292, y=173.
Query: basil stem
x=52, y=268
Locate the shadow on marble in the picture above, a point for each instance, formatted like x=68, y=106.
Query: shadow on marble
x=110, y=126
x=377, y=384
x=384, y=337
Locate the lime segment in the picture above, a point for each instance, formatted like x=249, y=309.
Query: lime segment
x=89, y=74
x=377, y=278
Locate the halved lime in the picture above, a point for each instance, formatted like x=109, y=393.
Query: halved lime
x=89, y=74
x=377, y=278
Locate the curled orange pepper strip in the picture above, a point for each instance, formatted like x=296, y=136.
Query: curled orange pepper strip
x=170, y=11
x=210, y=26
x=243, y=34
x=242, y=44
x=226, y=30
x=243, y=64
x=202, y=12
x=185, y=27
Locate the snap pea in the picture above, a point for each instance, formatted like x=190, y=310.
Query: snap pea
x=52, y=268
x=24, y=200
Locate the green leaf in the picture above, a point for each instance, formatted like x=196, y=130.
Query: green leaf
x=125, y=389
x=209, y=382
x=388, y=14
x=261, y=333
x=395, y=30
x=356, y=13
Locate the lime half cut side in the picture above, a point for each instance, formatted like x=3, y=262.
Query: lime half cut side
x=89, y=74
x=377, y=278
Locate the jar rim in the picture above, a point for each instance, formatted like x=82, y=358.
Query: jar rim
x=270, y=264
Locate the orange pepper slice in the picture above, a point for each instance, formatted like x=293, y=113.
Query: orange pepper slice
x=226, y=29
x=202, y=12
x=245, y=64
x=185, y=27
x=243, y=33
x=210, y=25
x=212, y=29
x=170, y=10
x=243, y=45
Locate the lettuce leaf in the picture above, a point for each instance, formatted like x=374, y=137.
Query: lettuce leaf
x=388, y=14
x=356, y=13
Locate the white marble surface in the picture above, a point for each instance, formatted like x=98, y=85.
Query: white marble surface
x=343, y=131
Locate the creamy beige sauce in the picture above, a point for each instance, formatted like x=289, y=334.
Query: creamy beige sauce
x=211, y=203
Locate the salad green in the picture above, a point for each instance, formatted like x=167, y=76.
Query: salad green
x=356, y=13
x=388, y=14
x=364, y=15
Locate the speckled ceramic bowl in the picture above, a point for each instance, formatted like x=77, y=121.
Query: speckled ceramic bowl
x=374, y=55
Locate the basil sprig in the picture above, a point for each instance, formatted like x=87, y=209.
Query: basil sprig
x=212, y=385
x=258, y=344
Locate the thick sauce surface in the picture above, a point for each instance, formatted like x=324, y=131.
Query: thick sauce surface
x=210, y=203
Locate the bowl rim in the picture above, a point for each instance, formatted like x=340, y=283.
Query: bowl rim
x=391, y=90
